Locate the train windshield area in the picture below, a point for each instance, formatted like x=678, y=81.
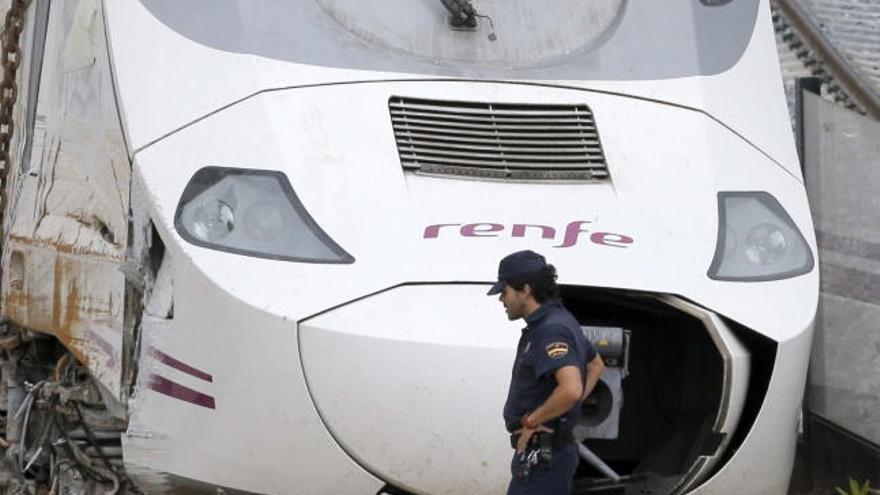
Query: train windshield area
x=517, y=39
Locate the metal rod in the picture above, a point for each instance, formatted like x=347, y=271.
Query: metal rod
x=79, y=433
x=16, y=396
x=593, y=460
x=107, y=451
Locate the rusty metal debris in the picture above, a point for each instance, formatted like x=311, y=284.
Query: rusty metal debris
x=10, y=57
x=56, y=431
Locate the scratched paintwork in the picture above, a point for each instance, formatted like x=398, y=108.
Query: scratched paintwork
x=74, y=297
x=69, y=204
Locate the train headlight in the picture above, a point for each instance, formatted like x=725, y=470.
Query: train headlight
x=254, y=213
x=757, y=240
x=766, y=245
x=213, y=221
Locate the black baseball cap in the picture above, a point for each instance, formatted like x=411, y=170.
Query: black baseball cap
x=517, y=266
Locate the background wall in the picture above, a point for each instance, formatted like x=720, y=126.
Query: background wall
x=842, y=173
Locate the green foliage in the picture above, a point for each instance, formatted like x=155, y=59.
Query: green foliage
x=855, y=489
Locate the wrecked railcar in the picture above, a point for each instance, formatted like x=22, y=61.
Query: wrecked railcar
x=245, y=243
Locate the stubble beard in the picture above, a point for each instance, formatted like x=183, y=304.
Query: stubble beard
x=512, y=314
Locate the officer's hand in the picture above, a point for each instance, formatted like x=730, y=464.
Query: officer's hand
x=525, y=435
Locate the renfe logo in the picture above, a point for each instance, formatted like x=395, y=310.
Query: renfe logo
x=572, y=232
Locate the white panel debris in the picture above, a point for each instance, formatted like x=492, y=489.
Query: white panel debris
x=160, y=302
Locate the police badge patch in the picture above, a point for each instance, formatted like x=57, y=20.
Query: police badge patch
x=557, y=350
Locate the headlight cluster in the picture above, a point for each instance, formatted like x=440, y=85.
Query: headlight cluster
x=255, y=213
x=757, y=240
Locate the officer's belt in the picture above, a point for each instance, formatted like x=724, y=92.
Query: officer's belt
x=514, y=425
x=546, y=440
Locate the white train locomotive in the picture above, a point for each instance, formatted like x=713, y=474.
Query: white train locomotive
x=246, y=242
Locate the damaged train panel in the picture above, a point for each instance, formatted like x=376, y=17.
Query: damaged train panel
x=67, y=231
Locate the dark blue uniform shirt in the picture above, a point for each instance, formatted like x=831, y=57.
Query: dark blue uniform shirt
x=552, y=339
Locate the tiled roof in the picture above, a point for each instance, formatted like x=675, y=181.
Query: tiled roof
x=851, y=26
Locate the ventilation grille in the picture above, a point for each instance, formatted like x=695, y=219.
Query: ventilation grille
x=498, y=141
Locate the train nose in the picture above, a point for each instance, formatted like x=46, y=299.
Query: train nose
x=411, y=382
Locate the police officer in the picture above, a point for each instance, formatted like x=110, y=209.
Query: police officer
x=554, y=370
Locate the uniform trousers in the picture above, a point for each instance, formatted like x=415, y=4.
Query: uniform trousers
x=546, y=479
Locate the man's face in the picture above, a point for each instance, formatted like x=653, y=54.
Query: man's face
x=514, y=301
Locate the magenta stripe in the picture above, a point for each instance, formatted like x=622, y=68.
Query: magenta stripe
x=180, y=365
x=105, y=346
x=165, y=386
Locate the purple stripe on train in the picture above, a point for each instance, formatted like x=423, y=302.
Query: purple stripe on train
x=167, y=387
x=180, y=365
